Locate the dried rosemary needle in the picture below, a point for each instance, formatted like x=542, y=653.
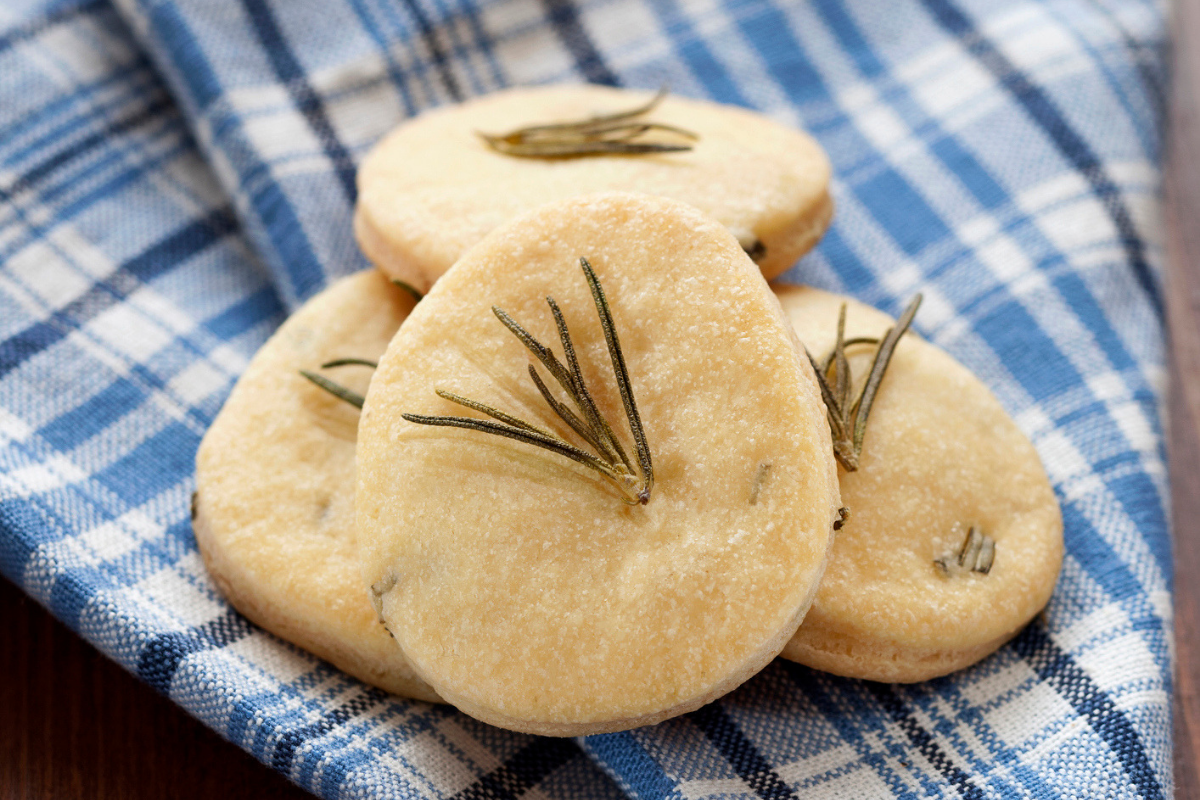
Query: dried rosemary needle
x=609, y=458
x=848, y=416
x=620, y=133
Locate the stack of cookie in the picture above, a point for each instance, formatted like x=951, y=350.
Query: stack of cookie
x=592, y=479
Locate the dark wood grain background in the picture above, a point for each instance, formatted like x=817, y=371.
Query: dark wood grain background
x=75, y=725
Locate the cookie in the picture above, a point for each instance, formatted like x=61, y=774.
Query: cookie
x=274, y=509
x=911, y=592
x=541, y=594
x=434, y=187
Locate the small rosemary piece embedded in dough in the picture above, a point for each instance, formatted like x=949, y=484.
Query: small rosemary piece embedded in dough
x=756, y=250
x=760, y=477
x=336, y=389
x=408, y=287
x=612, y=462
x=848, y=420
x=977, y=553
x=843, y=515
x=617, y=133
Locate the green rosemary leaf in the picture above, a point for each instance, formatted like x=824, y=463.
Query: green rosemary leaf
x=408, y=287
x=848, y=421
x=543, y=353
x=601, y=119
x=494, y=413
x=607, y=134
x=831, y=404
x=883, y=357
x=851, y=342
x=842, y=367
x=552, y=443
x=349, y=362
x=606, y=438
x=585, y=431
x=585, y=148
x=336, y=389
x=622, y=375
x=592, y=428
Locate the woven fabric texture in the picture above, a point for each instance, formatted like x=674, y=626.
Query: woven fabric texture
x=176, y=175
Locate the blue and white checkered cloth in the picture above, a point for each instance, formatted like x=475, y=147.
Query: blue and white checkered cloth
x=177, y=174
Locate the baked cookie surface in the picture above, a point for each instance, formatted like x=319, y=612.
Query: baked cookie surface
x=274, y=509
x=940, y=456
x=518, y=582
x=416, y=214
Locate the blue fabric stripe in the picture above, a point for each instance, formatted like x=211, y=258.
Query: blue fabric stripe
x=924, y=741
x=279, y=219
x=285, y=748
x=159, y=660
x=696, y=54
x=626, y=757
x=75, y=150
x=39, y=25
x=152, y=466
x=159, y=258
x=741, y=753
x=846, y=721
x=66, y=432
x=307, y=102
x=1058, y=669
x=522, y=771
x=563, y=16
x=1070, y=144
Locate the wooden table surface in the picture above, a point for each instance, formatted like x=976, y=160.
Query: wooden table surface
x=75, y=725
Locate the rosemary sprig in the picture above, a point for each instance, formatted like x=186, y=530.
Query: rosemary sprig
x=607, y=134
x=336, y=389
x=848, y=419
x=610, y=459
x=977, y=554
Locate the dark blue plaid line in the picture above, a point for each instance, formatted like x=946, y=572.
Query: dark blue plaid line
x=695, y=52
x=75, y=109
x=399, y=77
x=838, y=701
x=924, y=741
x=1056, y=667
x=484, y=39
x=1070, y=144
x=564, y=18
x=308, y=103
x=161, y=257
x=741, y=753
x=522, y=771
x=1144, y=130
x=1140, y=53
x=72, y=151
x=430, y=38
x=160, y=658
x=271, y=205
x=22, y=33
x=285, y=748
x=461, y=51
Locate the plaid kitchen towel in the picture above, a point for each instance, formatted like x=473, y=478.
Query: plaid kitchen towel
x=1002, y=158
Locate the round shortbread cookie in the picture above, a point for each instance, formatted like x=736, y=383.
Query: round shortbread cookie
x=433, y=188
x=940, y=456
x=274, y=509
x=518, y=582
